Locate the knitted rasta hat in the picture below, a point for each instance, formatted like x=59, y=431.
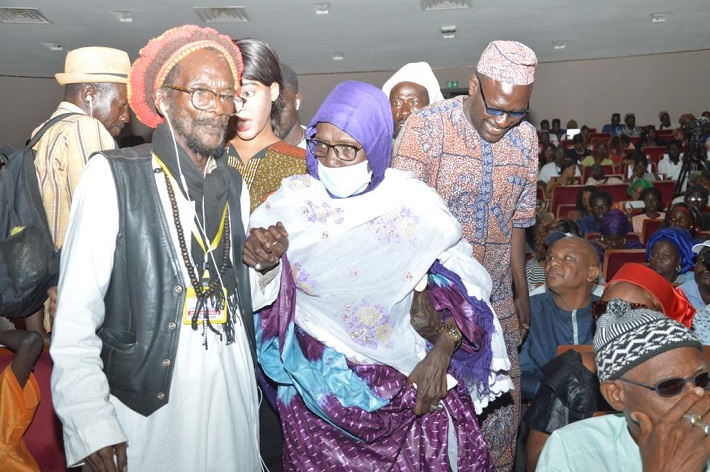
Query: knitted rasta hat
x=163, y=53
x=626, y=338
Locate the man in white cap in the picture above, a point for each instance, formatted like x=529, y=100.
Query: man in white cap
x=480, y=156
x=411, y=88
x=651, y=369
x=94, y=81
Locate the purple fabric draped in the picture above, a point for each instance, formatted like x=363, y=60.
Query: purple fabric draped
x=364, y=112
x=391, y=438
x=475, y=320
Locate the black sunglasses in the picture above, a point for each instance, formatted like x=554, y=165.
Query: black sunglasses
x=673, y=387
x=497, y=111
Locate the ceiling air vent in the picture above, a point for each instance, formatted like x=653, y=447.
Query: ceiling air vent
x=223, y=14
x=25, y=16
x=436, y=5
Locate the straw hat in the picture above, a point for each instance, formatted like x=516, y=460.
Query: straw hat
x=95, y=64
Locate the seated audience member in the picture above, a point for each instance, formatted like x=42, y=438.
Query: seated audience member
x=697, y=196
x=572, y=124
x=613, y=228
x=698, y=291
x=552, y=169
x=616, y=150
x=563, y=314
x=582, y=206
x=599, y=156
x=587, y=141
x=19, y=398
x=669, y=252
x=665, y=120
x=411, y=88
x=543, y=140
x=557, y=130
x=671, y=162
x=570, y=391
x=640, y=168
x=578, y=153
x=535, y=267
x=644, y=362
x=635, y=189
x=545, y=125
x=547, y=155
x=600, y=203
x=566, y=177
x=682, y=215
x=647, y=138
x=629, y=127
x=614, y=127
x=651, y=198
x=598, y=177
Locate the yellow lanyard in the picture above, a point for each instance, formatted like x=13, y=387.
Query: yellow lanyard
x=195, y=232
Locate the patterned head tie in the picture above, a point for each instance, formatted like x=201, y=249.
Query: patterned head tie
x=626, y=338
x=163, y=53
x=509, y=62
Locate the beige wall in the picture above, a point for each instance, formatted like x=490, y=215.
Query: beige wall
x=588, y=91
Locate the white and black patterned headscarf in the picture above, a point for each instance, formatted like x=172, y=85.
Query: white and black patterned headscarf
x=627, y=337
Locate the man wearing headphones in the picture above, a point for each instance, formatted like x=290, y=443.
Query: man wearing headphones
x=94, y=81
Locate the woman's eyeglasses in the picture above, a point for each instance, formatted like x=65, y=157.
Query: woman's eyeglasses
x=673, y=387
x=344, y=152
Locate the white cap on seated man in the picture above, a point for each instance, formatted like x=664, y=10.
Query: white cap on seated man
x=651, y=368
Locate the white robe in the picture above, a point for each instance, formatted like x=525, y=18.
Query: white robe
x=211, y=420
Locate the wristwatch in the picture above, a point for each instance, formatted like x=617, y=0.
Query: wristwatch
x=454, y=333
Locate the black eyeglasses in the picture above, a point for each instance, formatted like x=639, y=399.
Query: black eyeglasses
x=673, y=387
x=204, y=99
x=344, y=152
x=497, y=111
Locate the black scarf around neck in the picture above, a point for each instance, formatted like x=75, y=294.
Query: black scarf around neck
x=211, y=192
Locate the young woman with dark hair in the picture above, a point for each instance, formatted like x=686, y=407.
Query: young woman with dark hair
x=254, y=149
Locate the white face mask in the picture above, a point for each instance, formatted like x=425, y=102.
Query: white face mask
x=343, y=182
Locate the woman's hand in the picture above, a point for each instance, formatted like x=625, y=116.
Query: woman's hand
x=423, y=317
x=430, y=375
x=264, y=247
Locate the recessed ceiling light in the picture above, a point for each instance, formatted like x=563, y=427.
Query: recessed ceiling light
x=435, y=5
x=223, y=14
x=559, y=44
x=122, y=16
x=448, y=32
x=338, y=56
x=53, y=46
x=659, y=17
x=321, y=8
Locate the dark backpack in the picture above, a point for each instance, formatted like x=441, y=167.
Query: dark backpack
x=29, y=265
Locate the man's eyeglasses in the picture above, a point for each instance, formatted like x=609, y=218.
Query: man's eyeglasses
x=204, y=99
x=673, y=387
x=497, y=111
x=344, y=152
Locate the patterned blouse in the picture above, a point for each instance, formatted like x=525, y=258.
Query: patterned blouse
x=265, y=171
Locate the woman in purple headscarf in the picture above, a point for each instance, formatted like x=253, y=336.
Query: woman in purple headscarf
x=367, y=253
x=612, y=233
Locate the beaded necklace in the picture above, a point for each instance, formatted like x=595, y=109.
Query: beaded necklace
x=207, y=287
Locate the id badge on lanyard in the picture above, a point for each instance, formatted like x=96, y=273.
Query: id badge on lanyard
x=215, y=308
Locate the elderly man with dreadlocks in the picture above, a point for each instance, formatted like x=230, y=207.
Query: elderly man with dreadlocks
x=154, y=337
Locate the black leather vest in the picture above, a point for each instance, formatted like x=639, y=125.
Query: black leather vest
x=146, y=294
